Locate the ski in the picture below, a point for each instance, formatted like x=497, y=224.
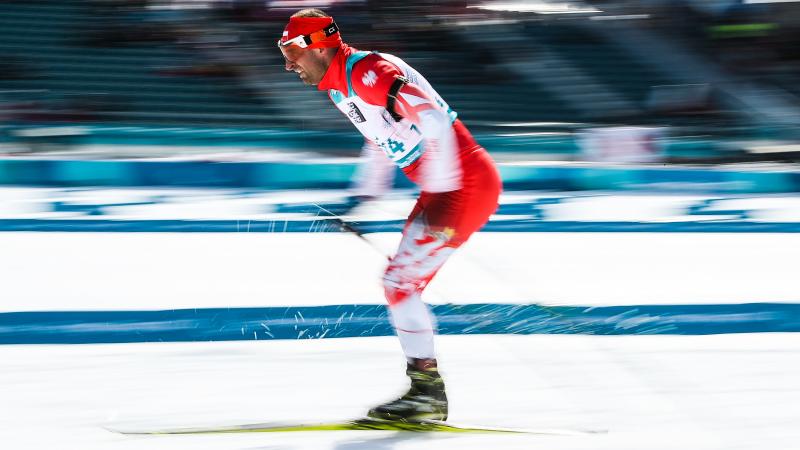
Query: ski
x=360, y=425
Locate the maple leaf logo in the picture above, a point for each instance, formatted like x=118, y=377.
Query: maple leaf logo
x=369, y=78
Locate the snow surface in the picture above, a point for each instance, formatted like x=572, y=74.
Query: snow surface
x=651, y=392
x=151, y=271
x=239, y=204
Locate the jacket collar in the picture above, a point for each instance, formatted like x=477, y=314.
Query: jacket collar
x=336, y=75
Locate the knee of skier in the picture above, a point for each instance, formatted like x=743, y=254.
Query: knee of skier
x=396, y=288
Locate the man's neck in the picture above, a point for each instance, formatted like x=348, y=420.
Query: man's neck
x=334, y=77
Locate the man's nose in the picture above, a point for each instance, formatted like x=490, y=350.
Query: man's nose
x=289, y=66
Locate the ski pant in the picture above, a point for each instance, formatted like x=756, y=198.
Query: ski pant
x=436, y=227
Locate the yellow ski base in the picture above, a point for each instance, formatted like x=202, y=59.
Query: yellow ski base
x=358, y=425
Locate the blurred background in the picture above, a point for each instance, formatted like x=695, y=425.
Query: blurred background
x=168, y=256
x=666, y=81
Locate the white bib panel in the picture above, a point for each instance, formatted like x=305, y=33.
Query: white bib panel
x=401, y=141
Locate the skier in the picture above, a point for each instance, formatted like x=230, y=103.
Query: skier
x=402, y=116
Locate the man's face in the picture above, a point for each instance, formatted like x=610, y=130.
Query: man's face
x=308, y=63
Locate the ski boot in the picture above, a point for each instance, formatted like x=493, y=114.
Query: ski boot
x=425, y=400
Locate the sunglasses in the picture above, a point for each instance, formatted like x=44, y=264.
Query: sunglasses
x=304, y=40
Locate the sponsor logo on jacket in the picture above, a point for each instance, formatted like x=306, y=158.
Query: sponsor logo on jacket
x=354, y=113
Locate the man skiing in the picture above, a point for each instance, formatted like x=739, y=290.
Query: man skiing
x=402, y=116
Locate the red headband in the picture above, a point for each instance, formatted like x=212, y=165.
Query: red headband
x=307, y=25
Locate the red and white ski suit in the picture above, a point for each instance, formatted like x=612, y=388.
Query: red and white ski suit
x=459, y=181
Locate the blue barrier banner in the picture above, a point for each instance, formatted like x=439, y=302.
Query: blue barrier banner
x=338, y=321
x=323, y=225
x=333, y=173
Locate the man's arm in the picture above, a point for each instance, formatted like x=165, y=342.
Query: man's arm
x=375, y=173
x=380, y=82
x=441, y=166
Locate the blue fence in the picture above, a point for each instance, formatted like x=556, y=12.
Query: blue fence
x=235, y=324
x=324, y=225
x=334, y=175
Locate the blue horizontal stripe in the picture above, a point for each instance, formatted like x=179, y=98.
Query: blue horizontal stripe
x=317, y=322
x=329, y=226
